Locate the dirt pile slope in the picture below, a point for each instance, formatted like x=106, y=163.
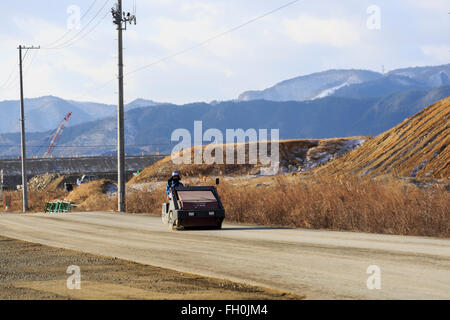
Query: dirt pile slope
x=295, y=155
x=41, y=182
x=94, y=194
x=51, y=181
x=418, y=148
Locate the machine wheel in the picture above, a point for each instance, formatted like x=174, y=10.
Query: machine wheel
x=177, y=226
x=165, y=214
x=165, y=218
x=170, y=221
x=173, y=225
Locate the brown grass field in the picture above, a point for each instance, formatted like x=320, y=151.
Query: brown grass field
x=348, y=204
x=417, y=147
x=290, y=152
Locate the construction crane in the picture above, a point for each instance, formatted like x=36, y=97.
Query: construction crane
x=57, y=136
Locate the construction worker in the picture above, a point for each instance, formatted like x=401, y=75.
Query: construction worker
x=174, y=181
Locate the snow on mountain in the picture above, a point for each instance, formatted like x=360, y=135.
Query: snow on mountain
x=435, y=76
x=330, y=91
x=353, y=83
x=311, y=86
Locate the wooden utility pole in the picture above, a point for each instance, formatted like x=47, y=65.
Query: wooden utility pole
x=22, y=132
x=120, y=19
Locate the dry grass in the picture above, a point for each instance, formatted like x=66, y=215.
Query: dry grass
x=88, y=197
x=36, y=199
x=352, y=204
x=418, y=147
x=92, y=196
x=290, y=152
x=144, y=201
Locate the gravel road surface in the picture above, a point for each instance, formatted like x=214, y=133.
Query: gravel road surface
x=318, y=264
x=34, y=271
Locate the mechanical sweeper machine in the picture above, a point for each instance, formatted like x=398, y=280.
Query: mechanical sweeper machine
x=193, y=207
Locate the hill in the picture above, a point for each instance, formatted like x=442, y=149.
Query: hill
x=333, y=103
x=353, y=84
x=295, y=155
x=149, y=129
x=417, y=147
x=45, y=113
x=309, y=87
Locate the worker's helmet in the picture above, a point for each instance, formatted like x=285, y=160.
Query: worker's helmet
x=175, y=174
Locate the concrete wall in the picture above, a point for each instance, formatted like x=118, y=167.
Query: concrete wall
x=12, y=169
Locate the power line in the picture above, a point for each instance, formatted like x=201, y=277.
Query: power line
x=33, y=57
x=25, y=55
x=64, y=45
x=14, y=83
x=173, y=55
x=74, y=39
x=176, y=53
x=85, y=35
x=7, y=83
x=9, y=77
x=213, y=38
x=69, y=31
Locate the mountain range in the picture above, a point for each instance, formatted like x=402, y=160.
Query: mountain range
x=334, y=103
x=45, y=113
x=353, y=83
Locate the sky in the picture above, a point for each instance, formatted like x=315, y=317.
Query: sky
x=78, y=58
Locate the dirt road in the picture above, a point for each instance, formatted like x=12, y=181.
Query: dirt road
x=33, y=271
x=318, y=264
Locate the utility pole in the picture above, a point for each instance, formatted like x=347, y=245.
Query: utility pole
x=22, y=124
x=120, y=19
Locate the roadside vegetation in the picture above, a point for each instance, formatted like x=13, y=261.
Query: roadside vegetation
x=350, y=204
x=36, y=199
x=388, y=206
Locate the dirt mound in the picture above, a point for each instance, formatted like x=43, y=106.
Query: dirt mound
x=417, y=148
x=51, y=181
x=41, y=182
x=95, y=194
x=295, y=155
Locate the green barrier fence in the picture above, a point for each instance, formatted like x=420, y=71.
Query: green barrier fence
x=58, y=206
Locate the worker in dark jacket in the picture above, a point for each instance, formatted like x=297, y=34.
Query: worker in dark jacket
x=174, y=181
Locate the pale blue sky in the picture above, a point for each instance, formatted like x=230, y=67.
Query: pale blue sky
x=309, y=36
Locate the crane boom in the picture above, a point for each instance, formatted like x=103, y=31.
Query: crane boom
x=57, y=136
